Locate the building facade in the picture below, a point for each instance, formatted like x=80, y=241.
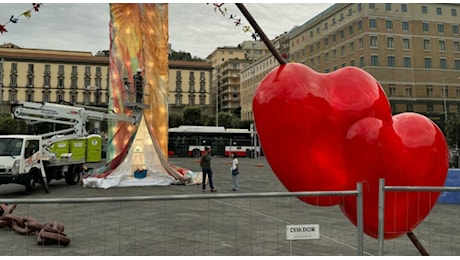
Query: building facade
x=227, y=63
x=82, y=79
x=413, y=50
x=189, y=85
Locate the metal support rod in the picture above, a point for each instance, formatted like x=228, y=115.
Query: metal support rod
x=417, y=244
x=261, y=34
x=360, y=226
x=381, y=216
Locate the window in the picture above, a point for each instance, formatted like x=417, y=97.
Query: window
x=360, y=25
x=424, y=9
x=311, y=34
x=352, y=63
x=30, y=97
x=443, y=63
x=442, y=45
x=352, y=47
x=455, y=29
x=342, y=50
x=342, y=34
x=438, y=10
x=73, y=99
x=74, y=70
x=333, y=38
x=373, y=23
x=361, y=43
x=406, y=44
x=456, y=47
x=61, y=69
x=387, y=7
x=311, y=48
x=46, y=97
x=453, y=12
x=87, y=70
x=406, y=62
x=392, y=90
x=359, y=7
x=389, y=24
x=361, y=62
x=47, y=69
x=428, y=64
x=426, y=45
x=326, y=41
x=391, y=61
x=429, y=91
x=390, y=43
x=318, y=45
x=426, y=27
x=60, y=82
x=403, y=8
x=334, y=54
x=30, y=69
x=374, y=42
x=405, y=26
x=326, y=57
x=30, y=81
x=440, y=27
x=408, y=91
x=457, y=64
x=371, y=6
x=429, y=107
x=374, y=60
x=350, y=29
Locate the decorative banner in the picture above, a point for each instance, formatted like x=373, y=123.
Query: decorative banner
x=14, y=19
x=236, y=20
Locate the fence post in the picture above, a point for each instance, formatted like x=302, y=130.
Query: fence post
x=359, y=205
x=381, y=216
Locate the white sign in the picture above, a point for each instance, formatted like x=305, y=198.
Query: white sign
x=297, y=232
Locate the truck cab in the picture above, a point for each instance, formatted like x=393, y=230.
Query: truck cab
x=19, y=156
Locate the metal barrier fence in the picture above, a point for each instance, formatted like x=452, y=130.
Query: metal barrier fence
x=207, y=224
x=438, y=234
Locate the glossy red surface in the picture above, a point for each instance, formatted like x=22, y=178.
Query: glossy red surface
x=326, y=132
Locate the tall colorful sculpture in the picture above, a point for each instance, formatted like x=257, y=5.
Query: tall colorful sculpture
x=138, y=40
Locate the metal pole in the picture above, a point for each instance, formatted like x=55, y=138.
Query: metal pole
x=1, y=86
x=444, y=97
x=381, y=215
x=217, y=97
x=359, y=205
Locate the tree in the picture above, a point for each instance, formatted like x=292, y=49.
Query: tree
x=192, y=116
x=175, y=119
x=451, y=130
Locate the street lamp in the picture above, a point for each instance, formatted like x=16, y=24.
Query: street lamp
x=445, y=104
x=217, y=97
x=1, y=86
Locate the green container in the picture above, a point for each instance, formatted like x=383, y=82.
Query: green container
x=78, y=148
x=59, y=148
x=94, y=148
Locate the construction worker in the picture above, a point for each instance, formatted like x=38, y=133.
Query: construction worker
x=138, y=85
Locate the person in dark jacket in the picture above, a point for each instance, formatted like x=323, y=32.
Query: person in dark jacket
x=205, y=163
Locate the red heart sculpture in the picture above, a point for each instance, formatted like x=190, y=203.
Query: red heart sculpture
x=326, y=132
x=410, y=150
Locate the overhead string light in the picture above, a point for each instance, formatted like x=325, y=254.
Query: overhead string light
x=15, y=19
x=236, y=20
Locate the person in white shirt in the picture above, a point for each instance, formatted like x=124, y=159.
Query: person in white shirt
x=235, y=171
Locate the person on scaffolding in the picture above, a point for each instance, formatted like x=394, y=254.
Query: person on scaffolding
x=138, y=85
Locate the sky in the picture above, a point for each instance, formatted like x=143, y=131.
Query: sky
x=197, y=28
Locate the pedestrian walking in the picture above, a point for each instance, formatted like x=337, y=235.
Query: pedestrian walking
x=205, y=163
x=235, y=171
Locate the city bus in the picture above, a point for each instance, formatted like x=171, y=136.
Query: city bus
x=192, y=140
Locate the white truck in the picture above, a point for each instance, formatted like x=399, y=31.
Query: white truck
x=27, y=159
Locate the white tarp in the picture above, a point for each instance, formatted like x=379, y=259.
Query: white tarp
x=142, y=155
